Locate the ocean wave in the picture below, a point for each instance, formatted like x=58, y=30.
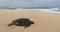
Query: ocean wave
x=49, y=10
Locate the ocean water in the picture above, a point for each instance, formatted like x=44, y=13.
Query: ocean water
x=40, y=9
x=49, y=10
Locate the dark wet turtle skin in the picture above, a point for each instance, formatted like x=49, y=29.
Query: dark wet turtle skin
x=21, y=22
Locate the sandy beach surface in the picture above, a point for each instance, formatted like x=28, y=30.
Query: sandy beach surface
x=44, y=22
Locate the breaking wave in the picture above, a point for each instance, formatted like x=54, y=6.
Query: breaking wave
x=49, y=10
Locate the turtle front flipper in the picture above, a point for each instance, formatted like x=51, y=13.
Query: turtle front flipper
x=27, y=25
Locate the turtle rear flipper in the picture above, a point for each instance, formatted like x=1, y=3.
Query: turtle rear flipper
x=10, y=24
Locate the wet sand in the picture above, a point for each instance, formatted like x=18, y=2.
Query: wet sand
x=44, y=22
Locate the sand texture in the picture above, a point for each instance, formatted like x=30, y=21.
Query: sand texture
x=44, y=22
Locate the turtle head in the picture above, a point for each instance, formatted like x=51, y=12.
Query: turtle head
x=32, y=22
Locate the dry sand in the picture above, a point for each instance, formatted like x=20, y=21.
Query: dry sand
x=44, y=22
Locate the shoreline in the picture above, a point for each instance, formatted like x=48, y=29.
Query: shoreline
x=44, y=22
x=43, y=11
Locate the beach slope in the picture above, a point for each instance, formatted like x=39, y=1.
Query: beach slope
x=44, y=22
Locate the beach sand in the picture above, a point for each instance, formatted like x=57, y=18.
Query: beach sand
x=44, y=22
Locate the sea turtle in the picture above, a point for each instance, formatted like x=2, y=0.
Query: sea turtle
x=21, y=22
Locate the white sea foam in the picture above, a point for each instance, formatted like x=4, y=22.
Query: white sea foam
x=51, y=10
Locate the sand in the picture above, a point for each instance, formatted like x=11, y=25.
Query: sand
x=44, y=22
